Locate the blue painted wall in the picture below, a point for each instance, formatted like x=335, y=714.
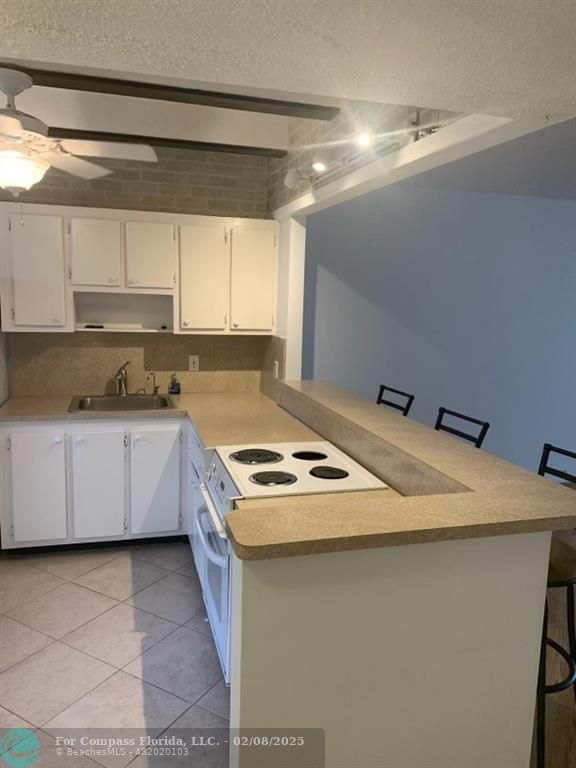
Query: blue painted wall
x=466, y=300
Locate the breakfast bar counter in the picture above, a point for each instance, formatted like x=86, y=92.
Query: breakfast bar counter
x=445, y=489
x=406, y=624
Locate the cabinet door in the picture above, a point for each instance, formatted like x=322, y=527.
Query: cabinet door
x=98, y=484
x=38, y=270
x=155, y=480
x=96, y=252
x=38, y=480
x=204, y=277
x=149, y=255
x=253, y=277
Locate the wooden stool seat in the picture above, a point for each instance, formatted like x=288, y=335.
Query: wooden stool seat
x=562, y=570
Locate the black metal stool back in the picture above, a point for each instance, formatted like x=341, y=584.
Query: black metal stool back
x=476, y=439
x=546, y=469
x=381, y=400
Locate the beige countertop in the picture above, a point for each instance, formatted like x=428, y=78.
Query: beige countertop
x=220, y=418
x=461, y=492
x=448, y=489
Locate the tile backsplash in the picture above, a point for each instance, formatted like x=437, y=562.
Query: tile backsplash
x=84, y=363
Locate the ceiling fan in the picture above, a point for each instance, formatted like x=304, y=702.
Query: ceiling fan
x=27, y=151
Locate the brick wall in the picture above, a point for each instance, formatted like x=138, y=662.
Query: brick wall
x=182, y=181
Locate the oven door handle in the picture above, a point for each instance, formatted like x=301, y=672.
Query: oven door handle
x=214, y=516
x=218, y=559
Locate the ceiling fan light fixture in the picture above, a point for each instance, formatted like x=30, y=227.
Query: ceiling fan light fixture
x=19, y=171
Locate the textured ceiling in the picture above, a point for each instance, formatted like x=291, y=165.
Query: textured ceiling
x=504, y=57
x=542, y=164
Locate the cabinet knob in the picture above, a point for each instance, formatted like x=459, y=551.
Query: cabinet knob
x=131, y=282
x=137, y=438
x=235, y=325
x=185, y=323
x=80, y=440
x=57, y=441
x=111, y=280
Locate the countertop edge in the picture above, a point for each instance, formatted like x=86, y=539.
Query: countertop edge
x=306, y=547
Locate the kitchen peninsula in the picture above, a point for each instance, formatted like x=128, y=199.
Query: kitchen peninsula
x=404, y=622
x=407, y=626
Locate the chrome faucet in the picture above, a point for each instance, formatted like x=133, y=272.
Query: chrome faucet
x=121, y=379
x=152, y=376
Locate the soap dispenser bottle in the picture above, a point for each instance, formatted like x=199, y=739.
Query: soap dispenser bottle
x=174, y=387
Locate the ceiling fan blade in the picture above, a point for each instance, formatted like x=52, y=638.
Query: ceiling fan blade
x=76, y=166
x=113, y=149
x=10, y=126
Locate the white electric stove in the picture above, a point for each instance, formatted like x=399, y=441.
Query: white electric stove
x=281, y=469
x=241, y=471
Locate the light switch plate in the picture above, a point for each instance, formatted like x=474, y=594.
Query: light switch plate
x=194, y=363
x=276, y=369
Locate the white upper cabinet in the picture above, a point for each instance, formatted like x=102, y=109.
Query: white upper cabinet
x=204, y=277
x=253, y=276
x=38, y=272
x=76, y=270
x=150, y=254
x=96, y=252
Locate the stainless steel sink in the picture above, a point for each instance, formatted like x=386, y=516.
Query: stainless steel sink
x=120, y=403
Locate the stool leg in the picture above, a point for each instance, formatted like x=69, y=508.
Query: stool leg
x=571, y=623
x=541, y=698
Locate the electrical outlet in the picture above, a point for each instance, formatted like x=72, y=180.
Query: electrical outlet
x=276, y=369
x=193, y=363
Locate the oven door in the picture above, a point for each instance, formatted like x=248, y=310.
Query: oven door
x=212, y=555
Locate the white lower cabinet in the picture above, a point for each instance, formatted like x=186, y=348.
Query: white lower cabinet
x=155, y=480
x=37, y=480
x=70, y=482
x=98, y=486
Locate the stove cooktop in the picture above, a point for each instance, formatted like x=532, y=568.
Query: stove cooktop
x=282, y=469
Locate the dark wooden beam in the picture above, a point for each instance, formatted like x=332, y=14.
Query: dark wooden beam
x=163, y=141
x=134, y=89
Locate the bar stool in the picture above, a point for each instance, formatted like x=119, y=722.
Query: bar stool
x=476, y=439
x=380, y=400
x=561, y=575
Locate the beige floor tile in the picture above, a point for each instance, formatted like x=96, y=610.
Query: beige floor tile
x=17, y=642
x=62, y=610
x=119, y=635
x=189, y=570
x=175, y=597
x=123, y=706
x=200, y=622
x=184, y=663
x=200, y=723
x=69, y=565
x=9, y=720
x=19, y=584
x=43, y=685
x=122, y=577
x=171, y=556
x=217, y=700
x=9, y=563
